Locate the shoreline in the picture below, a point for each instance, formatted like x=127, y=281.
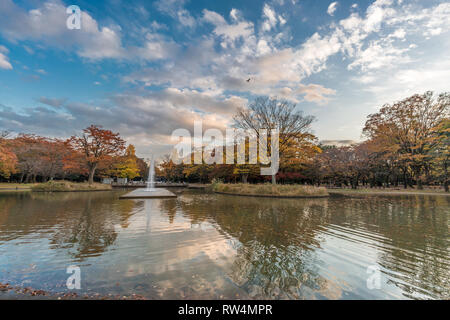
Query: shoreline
x=271, y=196
x=86, y=190
x=8, y=292
x=386, y=192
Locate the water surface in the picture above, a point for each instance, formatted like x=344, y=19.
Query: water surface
x=208, y=246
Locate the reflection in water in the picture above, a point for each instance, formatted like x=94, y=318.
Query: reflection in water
x=204, y=245
x=275, y=254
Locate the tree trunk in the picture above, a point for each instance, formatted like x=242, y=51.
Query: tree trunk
x=445, y=177
x=244, y=178
x=91, y=173
x=405, y=180
x=417, y=173
x=419, y=184
x=274, y=179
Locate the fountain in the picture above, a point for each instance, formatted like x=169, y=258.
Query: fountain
x=151, y=176
x=150, y=192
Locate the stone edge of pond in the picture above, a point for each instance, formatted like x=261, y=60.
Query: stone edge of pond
x=271, y=196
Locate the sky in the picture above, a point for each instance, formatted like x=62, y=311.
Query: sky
x=146, y=68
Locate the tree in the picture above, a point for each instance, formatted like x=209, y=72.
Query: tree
x=8, y=159
x=143, y=168
x=199, y=172
x=127, y=166
x=74, y=163
x=406, y=129
x=245, y=170
x=97, y=145
x=441, y=152
x=29, y=150
x=295, y=138
x=54, y=152
x=171, y=171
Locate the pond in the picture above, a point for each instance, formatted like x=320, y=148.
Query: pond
x=208, y=246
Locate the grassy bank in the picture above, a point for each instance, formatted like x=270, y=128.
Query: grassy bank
x=15, y=187
x=390, y=191
x=269, y=190
x=67, y=186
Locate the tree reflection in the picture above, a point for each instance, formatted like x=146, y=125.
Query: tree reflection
x=83, y=223
x=418, y=249
x=275, y=251
x=277, y=240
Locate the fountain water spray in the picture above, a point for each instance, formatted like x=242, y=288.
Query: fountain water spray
x=151, y=176
x=150, y=192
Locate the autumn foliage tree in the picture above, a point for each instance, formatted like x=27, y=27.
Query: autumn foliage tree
x=441, y=152
x=406, y=130
x=8, y=159
x=296, y=142
x=97, y=145
x=127, y=165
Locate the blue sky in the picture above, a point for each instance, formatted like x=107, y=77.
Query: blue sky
x=145, y=68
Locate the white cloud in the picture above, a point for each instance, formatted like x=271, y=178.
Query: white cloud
x=53, y=102
x=230, y=32
x=155, y=47
x=399, y=33
x=4, y=61
x=332, y=8
x=234, y=14
x=312, y=93
x=378, y=12
x=379, y=55
x=185, y=18
x=271, y=18
x=377, y=40
x=47, y=25
x=175, y=9
x=316, y=93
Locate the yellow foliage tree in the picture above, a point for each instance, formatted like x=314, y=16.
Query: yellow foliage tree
x=128, y=167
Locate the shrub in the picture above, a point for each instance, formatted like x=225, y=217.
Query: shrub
x=271, y=190
x=64, y=186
